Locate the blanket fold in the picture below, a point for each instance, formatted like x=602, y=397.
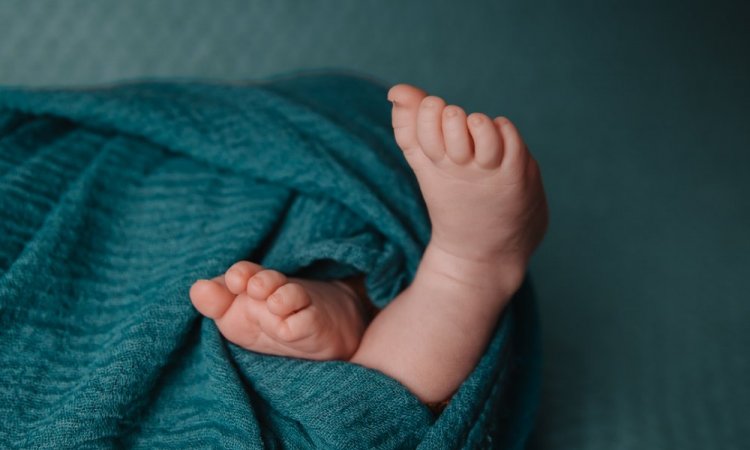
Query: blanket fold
x=114, y=200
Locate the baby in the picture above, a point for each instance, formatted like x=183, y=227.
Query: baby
x=486, y=202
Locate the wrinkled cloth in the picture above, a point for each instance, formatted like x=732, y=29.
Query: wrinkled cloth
x=115, y=199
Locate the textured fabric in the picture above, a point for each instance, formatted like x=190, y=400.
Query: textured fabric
x=637, y=112
x=115, y=200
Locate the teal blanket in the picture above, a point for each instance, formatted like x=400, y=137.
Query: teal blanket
x=114, y=200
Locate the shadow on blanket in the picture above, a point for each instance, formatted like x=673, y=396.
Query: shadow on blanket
x=115, y=200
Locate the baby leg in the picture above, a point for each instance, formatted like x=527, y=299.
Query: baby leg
x=488, y=211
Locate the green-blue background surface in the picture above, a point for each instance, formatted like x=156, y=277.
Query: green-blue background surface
x=637, y=112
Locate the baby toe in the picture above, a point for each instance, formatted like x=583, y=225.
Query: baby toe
x=237, y=276
x=405, y=95
x=458, y=145
x=288, y=299
x=430, y=127
x=264, y=283
x=406, y=100
x=516, y=156
x=211, y=297
x=301, y=325
x=488, y=146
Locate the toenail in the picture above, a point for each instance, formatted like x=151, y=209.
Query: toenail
x=476, y=120
x=450, y=112
x=257, y=281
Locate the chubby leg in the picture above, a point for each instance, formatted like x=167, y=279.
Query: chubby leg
x=488, y=211
x=264, y=311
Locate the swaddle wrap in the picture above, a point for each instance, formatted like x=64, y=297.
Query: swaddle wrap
x=114, y=200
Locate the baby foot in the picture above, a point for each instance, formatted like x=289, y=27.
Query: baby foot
x=485, y=198
x=481, y=185
x=264, y=311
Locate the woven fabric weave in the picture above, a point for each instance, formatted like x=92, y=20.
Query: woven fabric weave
x=114, y=200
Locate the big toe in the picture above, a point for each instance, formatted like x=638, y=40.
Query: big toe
x=406, y=95
x=211, y=297
x=406, y=100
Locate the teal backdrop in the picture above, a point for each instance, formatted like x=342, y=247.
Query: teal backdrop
x=637, y=112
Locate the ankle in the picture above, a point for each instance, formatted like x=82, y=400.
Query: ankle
x=498, y=272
